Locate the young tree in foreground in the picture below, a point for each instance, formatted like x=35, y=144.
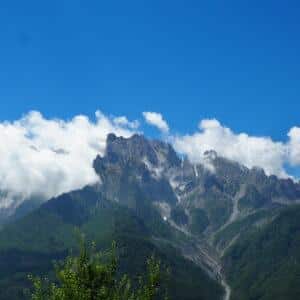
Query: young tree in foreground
x=93, y=276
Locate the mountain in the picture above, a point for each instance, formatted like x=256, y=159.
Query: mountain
x=193, y=216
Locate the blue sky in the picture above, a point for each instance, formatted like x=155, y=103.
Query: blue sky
x=237, y=61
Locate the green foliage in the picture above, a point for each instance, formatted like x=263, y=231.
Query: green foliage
x=179, y=216
x=252, y=200
x=264, y=264
x=218, y=207
x=223, y=238
x=93, y=276
x=199, y=221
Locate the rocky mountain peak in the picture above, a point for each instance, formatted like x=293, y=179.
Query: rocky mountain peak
x=137, y=148
x=210, y=154
x=154, y=167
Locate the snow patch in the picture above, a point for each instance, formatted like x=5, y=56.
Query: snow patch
x=174, y=183
x=196, y=171
x=155, y=171
x=164, y=209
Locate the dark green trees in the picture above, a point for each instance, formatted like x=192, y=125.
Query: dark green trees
x=93, y=276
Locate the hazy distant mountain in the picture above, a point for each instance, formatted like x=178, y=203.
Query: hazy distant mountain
x=195, y=217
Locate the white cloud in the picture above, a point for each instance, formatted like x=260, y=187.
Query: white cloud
x=156, y=119
x=248, y=150
x=123, y=121
x=294, y=146
x=42, y=157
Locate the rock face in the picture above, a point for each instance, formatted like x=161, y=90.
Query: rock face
x=132, y=171
x=210, y=195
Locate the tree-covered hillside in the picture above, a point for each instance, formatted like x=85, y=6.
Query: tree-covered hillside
x=264, y=264
x=32, y=243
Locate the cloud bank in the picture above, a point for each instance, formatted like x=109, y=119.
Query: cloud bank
x=294, y=146
x=44, y=158
x=156, y=119
x=251, y=151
